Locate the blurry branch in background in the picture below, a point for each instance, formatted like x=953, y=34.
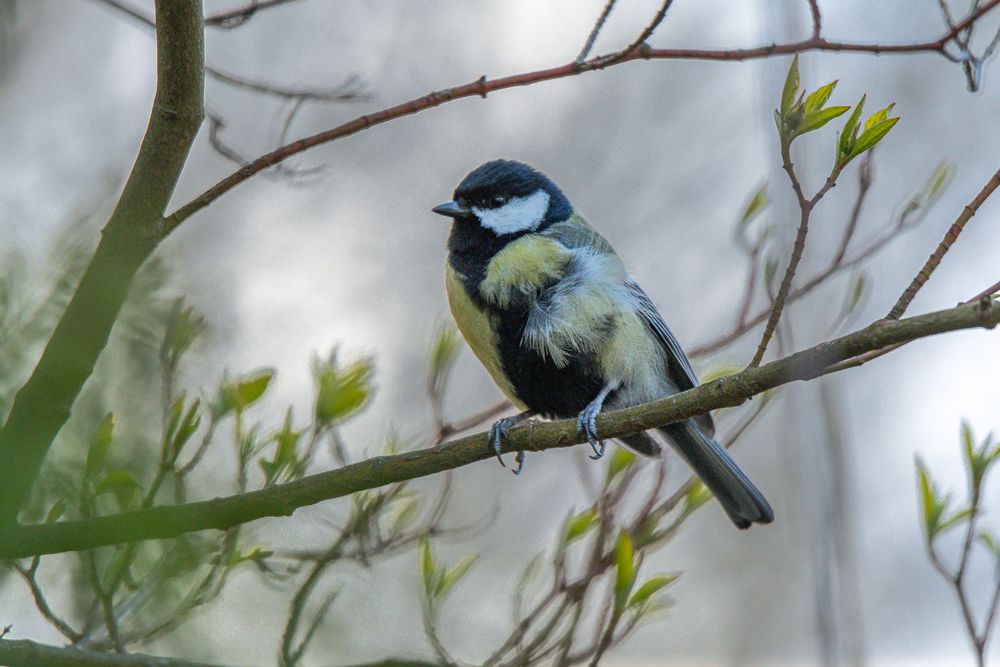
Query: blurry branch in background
x=42, y=405
x=24, y=653
x=972, y=64
x=938, y=518
x=483, y=86
x=236, y=18
x=281, y=500
x=352, y=89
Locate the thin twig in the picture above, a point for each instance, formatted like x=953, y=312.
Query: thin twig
x=943, y=247
x=595, y=31
x=235, y=18
x=41, y=603
x=817, y=18
x=798, y=248
x=481, y=87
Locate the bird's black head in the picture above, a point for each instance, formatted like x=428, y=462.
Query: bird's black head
x=507, y=198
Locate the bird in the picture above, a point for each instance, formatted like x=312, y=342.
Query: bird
x=550, y=310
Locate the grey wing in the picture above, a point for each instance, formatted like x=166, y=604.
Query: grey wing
x=678, y=366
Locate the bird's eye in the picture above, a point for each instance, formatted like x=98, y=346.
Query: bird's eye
x=498, y=201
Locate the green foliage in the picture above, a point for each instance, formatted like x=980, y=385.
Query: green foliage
x=643, y=595
x=239, y=394
x=438, y=580
x=341, y=390
x=800, y=114
x=181, y=427
x=100, y=441
x=851, y=144
x=625, y=570
x=578, y=525
x=621, y=460
x=286, y=463
x=935, y=506
x=445, y=345
x=758, y=202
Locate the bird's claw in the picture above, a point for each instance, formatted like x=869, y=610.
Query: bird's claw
x=499, y=432
x=586, y=424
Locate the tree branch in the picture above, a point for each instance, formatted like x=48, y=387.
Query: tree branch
x=943, y=247
x=43, y=404
x=282, y=500
x=481, y=87
x=25, y=653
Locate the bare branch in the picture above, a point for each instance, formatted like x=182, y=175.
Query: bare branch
x=817, y=18
x=481, y=87
x=235, y=18
x=595, y=31
x=943, y=247
x=805, y=209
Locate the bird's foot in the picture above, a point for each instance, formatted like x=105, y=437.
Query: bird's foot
x=499, y=432
x=586, y=424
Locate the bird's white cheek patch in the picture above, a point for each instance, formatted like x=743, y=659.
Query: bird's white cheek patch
x=517, y=215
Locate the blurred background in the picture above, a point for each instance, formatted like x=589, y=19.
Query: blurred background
x=661, y=157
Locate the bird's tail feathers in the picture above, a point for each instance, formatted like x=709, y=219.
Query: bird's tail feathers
x=642, y=443
x=742, y=500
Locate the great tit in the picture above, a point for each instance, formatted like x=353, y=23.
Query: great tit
x=552, y=313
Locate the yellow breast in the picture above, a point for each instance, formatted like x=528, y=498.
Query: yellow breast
x=474, y=323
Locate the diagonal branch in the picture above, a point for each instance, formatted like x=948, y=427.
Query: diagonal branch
x=42, y=405
x=282, y=500
x=26, y=653
x=943, y=247
x=481, y=87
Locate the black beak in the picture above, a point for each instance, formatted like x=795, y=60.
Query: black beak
x=452, y=210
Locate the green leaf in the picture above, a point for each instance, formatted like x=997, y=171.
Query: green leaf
x=856, y=292
x=120, y=482
x=455, y=574
x=532, y=571
x=878, y=116
x=100, y=441
x=990, y=541
x=937, y=183
x=770, y=272
x=578, y=526
x=621, y=459
x=953, y=520
x=427, y=567
x=758, y=202
x=115, y=566
x=184, y=427
x=817, y=99
x=341, y=390
x=444, y=350
x=933, y=506
x=871, y=136
x=650, y=587
x=56, y=511
x=817, y=119
x=845, y=144
x=250, y=388
x=791, y=86
x=406, y=512
x=625, y=570
x=696, y=496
